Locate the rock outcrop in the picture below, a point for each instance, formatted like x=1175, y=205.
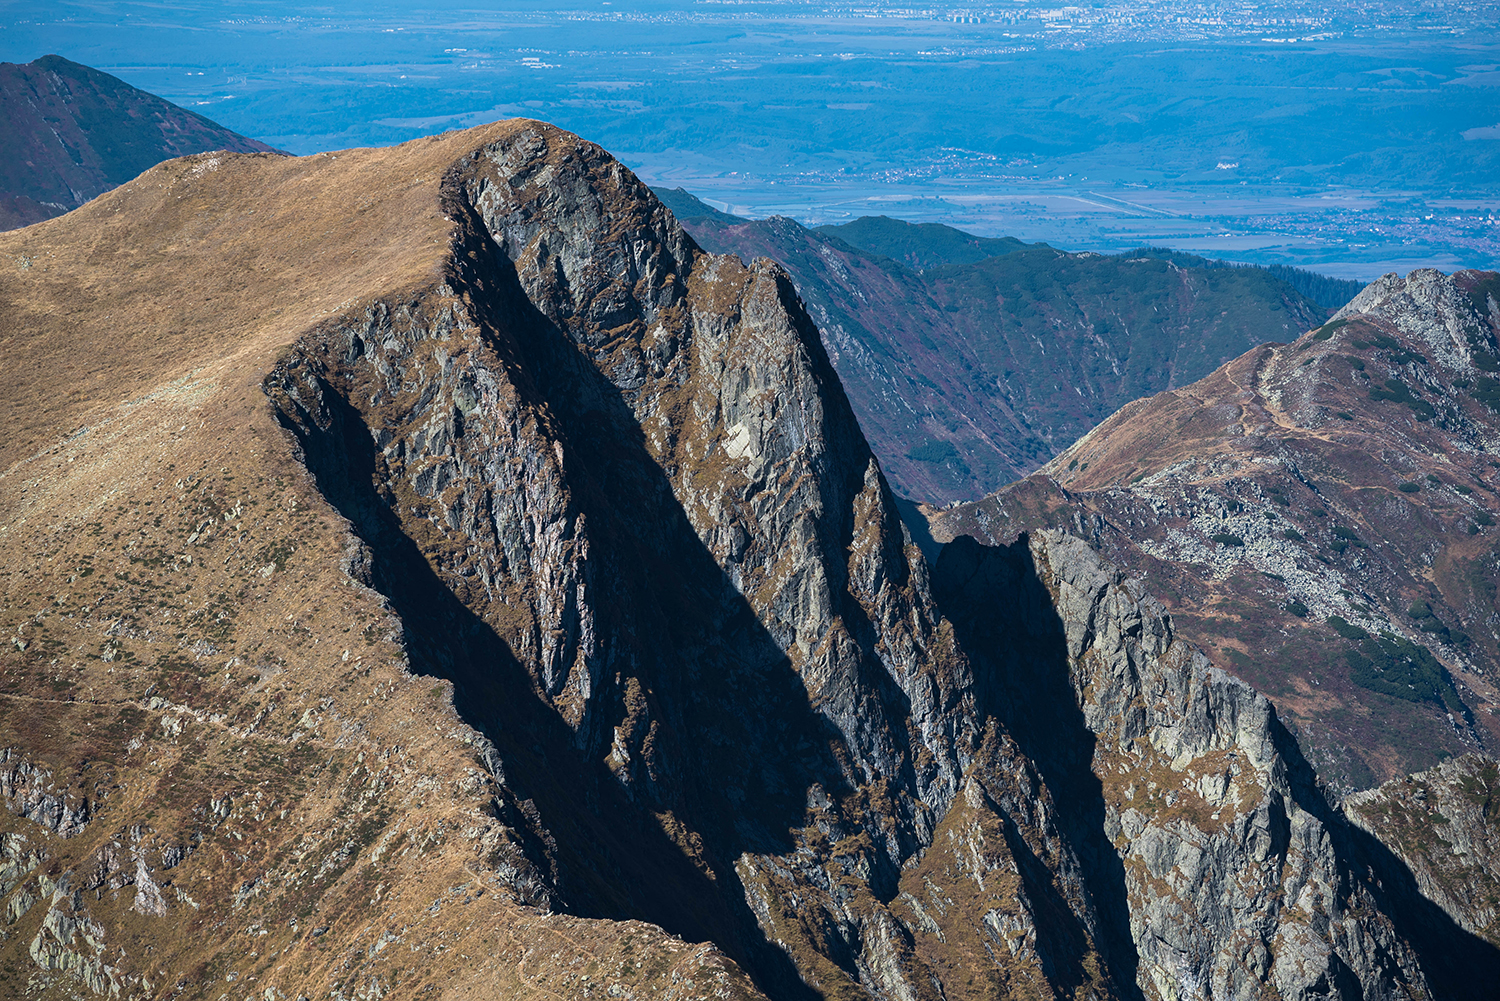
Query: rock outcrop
x=1443, y=824
x=1216, y=861
x=524, y=604
x=970, y=362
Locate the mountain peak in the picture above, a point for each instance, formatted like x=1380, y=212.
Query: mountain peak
x=432, y=551
x=1436, y=311
x=80, y=132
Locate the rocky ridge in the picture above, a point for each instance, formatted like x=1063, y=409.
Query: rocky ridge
x=1442, y=823
x=1319, y=516
x=519, y=603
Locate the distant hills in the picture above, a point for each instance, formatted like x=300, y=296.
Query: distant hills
x=972, y=361
x=1321, y=517
x=73, y=133
x=1325, y=291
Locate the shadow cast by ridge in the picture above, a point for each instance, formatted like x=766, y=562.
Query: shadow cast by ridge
x=1458, y=964
x=739, y=747
x=1009, y=623
x=1006, y=622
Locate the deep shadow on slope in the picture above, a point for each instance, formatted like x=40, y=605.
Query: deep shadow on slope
x=749, y=743
x=741, y=743
x=1006, y=620
x=604, y=853
x=1459, y=964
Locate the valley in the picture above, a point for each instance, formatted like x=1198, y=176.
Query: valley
x=1356, y=140
x=1318, y=516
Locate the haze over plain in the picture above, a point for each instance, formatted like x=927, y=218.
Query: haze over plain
x=1355, y=141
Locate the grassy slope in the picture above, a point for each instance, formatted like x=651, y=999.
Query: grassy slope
x=186, y=656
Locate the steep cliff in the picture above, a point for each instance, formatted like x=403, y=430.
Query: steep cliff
x=1443, y=824
x=484, y=591
x=1217, y=866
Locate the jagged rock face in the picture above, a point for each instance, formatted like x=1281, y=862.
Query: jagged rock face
x=1443, y=824
x=1217, y=866
x=563, y=610
x=1320, y=517
x=1433, y=310
x=633, y=465
x=594, y=394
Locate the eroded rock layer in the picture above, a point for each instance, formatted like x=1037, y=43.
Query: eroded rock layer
x=516, y=610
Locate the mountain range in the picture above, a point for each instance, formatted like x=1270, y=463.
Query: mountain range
x=972, y=361
x=428, y=572
x=74, y=133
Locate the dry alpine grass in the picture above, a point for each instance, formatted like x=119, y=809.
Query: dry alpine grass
x=221, y=778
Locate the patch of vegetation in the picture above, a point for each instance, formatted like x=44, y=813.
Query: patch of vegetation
x=1397, y=391
x=1354, y=362
x=1344, y=415
x=918, y=245
x=933, y=450
x=1395, y=666
x=1346, y=629
x=1297, y=608
x=1483, y=518
x=1480, y=293
x=1327, y=330
x=1330, y=293
x=1225, y=539
x=1487, y=391
x=1239, y=660
x=1378, y=340
x=1421, y=613
x=1408, y=488
x=1341, y=532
